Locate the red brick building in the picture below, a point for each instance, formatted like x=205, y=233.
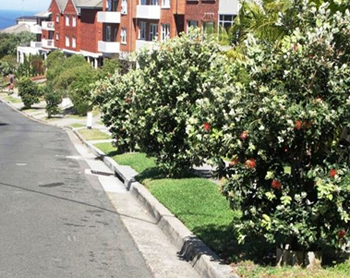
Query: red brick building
x=106, y=28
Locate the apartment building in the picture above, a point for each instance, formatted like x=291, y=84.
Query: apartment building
x=101, y=29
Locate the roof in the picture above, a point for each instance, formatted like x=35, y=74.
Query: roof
x=43, y=14
x=26, y=17
x=15, y=29
x=88, y=3
x=61, y=4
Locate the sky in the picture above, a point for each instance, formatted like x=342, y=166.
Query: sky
x=25, y=5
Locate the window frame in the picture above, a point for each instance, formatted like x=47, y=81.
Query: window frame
x=142, y=31
x=152, y=36
x=123, y=36
x=165, y=32
x=67, y=41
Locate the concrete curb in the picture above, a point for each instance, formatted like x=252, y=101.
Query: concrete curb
x=202, y=258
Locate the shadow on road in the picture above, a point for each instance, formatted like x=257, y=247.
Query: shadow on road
x=74, y=201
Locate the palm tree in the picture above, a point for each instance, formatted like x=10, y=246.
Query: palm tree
x=259, y=18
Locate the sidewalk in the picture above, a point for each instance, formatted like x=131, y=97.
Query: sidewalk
x=187, y=245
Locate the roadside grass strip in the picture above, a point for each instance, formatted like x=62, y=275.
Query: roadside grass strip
x=93, y=134
x=249, y=269
x=77, y=125
x=13, y=100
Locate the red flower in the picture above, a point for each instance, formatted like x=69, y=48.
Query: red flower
x=128, y=100
x=341, y=234
x=276, y=184
x=243, y=135
x=297, y=125
x=250, y=163
x=332, y=173
x=233, y=163
x=206, y=126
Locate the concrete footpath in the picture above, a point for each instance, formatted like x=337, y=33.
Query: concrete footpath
x=168, y=247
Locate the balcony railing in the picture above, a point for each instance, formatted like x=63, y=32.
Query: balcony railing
x=48, y=25
x=108, y=17
x=48, y=43
x=35, y=44
x=141, y=44
x=148, y=11
x=228, y=7
x=35, y=29
x=108, y=47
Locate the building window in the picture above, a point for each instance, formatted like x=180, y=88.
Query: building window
x=165, y=32
x=67, y=41
x=226, y=21
x=154, y=2
x=74, y=21
x=67, y=20
x=124, y=9
x=57, y=18
x=165, y=3
x=192, y=23
x=142, y=30
x=208, y=27
x=143, y=2
x=108, y=33
x=74, y=42
x=123, y=36
x=57, y=36
x=153, y=32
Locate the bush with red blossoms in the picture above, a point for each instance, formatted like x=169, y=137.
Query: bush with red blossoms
x=281, y=128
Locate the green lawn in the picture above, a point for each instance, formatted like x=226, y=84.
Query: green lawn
x=13, y=100
x=250, y=270
x=93, y=134
x=76, y=125
x=138, y=161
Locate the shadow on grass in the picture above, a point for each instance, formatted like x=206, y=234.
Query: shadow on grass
x=156, y=173
x=114, y=153
x=223, y=241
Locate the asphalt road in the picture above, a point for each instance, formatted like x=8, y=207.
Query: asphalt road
x=56, y=221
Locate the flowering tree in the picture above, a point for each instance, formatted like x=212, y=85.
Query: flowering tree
x=281, y=130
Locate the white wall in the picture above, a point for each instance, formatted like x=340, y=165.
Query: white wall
x=228, y=6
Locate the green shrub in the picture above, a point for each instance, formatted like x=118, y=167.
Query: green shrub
x=282, y=131
x=53, y=99
x=29, y=92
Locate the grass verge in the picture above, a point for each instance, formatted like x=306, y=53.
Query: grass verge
x=138, y=161
x=76, y=125
x=93, y=134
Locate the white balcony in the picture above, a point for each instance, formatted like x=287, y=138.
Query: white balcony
x=48, y=43
x=141, y=44
x=148, y=11
x=35, y=44
x=35, y=29
x=108, y=47
x=228, y=7
x=48, y=25
x=108, y=17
